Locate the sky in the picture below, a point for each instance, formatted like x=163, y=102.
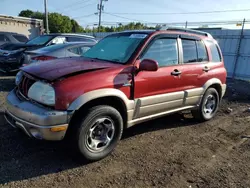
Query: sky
x=83, y=10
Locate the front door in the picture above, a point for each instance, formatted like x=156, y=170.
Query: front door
x=159, y=91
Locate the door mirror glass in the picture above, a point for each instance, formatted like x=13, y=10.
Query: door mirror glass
x=148, y=65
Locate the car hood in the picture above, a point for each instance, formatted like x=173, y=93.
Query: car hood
x=17, y=46
x=58, y=68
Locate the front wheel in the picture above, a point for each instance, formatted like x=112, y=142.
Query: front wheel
x=99, y=132
x=209, y=105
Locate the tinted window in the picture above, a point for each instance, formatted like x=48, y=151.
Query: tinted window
x=3, y=38
x=202, y=52
x=84, y=49
x=41, y=40
x=189, y=51
x=74, y=50
x=58, y=40
x=215, y=52
x=79, y=39
x=20, y=38
x=164, y=51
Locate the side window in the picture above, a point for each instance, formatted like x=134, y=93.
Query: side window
x=164, y=51
x=216, y=57
x=189, y=51
x=74, y=50
x=84, y=49
x=202, y=51
x=58, y=40
x=3, y=38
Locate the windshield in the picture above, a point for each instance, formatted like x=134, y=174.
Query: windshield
x=117, y=48
x=41, y=40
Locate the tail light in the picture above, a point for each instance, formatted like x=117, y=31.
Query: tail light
x=43, y=58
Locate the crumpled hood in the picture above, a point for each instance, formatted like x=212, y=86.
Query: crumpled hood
x=57, y=68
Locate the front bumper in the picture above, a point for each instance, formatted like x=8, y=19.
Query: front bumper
x=35, y=120
x=7, y=65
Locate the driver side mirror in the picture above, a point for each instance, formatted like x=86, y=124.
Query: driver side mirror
x=148, y=65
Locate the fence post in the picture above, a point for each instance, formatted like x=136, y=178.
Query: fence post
x=238, y=49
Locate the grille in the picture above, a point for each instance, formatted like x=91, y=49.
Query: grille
x=24, y=86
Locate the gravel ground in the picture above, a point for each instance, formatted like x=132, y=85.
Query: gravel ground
x=174, y=151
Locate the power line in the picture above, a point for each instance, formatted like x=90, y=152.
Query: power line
x=85, y=16
x=171, y=13
x=124, y=17
x=75, y=4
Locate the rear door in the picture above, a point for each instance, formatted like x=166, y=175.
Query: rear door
x=195, y=63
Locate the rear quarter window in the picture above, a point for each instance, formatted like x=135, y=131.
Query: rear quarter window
x=216, y=56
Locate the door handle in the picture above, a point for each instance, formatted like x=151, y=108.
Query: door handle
x=206, y=69
x=176, y=72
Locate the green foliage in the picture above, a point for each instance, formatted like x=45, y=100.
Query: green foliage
x=59, y=23
x=26, y=13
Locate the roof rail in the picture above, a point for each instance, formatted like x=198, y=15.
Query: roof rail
x=186, y=30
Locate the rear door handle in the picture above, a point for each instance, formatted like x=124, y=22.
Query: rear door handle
x=206, y=69
x=176, y=72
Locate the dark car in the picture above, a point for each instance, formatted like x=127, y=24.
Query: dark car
x=72, y=49
x=7, y=37
x=12, y=57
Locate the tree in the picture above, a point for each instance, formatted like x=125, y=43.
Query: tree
x=26, y=13
x=58, y=23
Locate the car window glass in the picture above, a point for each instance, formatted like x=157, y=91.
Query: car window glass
x=84, y=49
x=189, y=51
x=117, y=48
x=164, y=51
x=214, y=51
x=20, y=38
x=40, y=40
x=74, y=50
x=58, y=40
x=202, y=52
x=3, y=38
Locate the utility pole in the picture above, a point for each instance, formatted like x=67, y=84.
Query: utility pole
x=46, y=16
x=100, y=7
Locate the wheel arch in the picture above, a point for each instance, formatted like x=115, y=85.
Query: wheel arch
x=216, y=84
x=111, y=97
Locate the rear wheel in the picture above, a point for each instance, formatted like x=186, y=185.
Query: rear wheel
x=209, y=105
x=98, y=133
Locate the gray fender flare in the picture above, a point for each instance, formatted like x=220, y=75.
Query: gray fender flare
x=109, y=92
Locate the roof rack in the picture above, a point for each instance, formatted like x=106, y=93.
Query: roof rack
x=186, y=30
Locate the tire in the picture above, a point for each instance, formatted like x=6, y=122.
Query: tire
x=94, y=127
x=204, y=113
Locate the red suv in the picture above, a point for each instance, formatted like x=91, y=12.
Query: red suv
x=125, y=79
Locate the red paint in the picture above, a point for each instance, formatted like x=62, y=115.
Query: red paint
x=43, y=58
x=57, y=68
x=102, y=74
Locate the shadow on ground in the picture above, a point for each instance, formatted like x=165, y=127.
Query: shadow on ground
x=22, y=157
